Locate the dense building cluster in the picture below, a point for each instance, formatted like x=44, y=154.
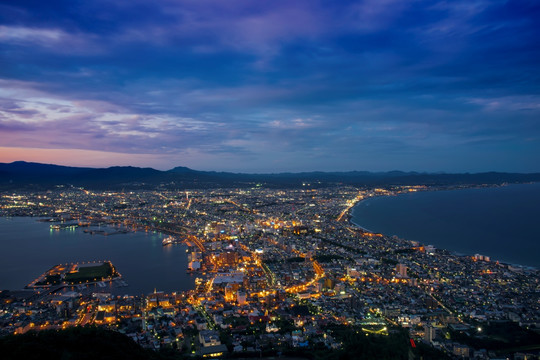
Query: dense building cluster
x=276, y=268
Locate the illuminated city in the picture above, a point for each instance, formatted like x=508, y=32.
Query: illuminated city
x=285, y=179
x=275, y=270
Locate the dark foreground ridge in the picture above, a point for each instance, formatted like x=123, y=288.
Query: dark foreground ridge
x=100, y=343
x=21, y=175
x=73, y=343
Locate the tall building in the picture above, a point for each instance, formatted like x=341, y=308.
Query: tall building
x=241, y=297
x=401, y=270
x=229, y=258
x=430, y=333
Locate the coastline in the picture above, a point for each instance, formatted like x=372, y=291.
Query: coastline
x=457, y=252
x=126, y=251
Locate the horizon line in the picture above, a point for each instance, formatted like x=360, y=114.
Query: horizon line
x=272, y=173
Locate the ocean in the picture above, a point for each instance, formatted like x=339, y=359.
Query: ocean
x=500, y=222
x=30, y=247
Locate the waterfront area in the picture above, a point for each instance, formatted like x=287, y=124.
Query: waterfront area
x=64, y=275
x=278, y=270
x=31, y=246
x=500, y=222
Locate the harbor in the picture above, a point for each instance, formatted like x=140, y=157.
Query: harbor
x=32, y=247
x=76, y=273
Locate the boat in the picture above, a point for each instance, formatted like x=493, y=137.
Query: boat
x=167, y=241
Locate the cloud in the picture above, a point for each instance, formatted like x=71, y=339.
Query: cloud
x=51, y=39
x=298, y=85
x=52, y=121
x=292, y=124
x=528, y=103
x=374, y=15
x=17, y=34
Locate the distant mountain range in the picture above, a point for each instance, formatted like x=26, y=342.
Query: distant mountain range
x=27, y=175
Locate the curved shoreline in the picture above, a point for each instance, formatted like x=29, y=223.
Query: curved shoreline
x=128, y=252
x=350, y=216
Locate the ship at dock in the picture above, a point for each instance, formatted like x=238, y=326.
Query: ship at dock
x=168, y=241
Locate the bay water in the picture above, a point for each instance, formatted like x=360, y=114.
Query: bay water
x=29, y=248
x=500, y=222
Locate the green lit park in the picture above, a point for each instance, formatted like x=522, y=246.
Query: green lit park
x=73, y=274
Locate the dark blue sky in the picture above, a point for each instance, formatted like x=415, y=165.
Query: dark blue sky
x=271, y=86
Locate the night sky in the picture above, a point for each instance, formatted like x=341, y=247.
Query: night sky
x=272, y=86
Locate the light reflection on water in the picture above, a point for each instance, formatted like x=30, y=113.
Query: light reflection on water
x=29, y=248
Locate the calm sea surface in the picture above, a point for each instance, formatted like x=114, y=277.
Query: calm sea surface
x=501, y=222
x=29, y=248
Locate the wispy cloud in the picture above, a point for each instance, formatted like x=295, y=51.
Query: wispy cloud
x=51, y=39
x=244, y=85
x=31, y=117
x=527, y=103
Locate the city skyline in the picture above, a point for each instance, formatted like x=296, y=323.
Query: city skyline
x=272, y=87
x=270, y=271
